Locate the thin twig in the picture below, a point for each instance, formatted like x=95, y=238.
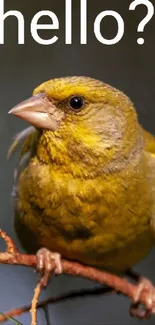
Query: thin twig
x=53, y=300
x=34, y=303
x=10, y=246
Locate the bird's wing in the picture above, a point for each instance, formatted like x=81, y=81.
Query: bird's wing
x=24, y=137
x=25, y=140
x=149, y=141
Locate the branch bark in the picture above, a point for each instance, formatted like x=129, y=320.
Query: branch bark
x=118, y=284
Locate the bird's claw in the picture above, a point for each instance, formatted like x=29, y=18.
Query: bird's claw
x=48, y=262
x=135, y=309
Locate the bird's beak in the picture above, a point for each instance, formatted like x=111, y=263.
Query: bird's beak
x=38, y=111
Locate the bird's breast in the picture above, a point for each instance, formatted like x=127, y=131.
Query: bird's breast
x=85, y=219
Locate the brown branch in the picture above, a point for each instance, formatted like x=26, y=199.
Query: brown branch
x=73, y=268
x=13, y=257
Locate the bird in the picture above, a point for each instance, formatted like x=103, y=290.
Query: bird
x=85, y=180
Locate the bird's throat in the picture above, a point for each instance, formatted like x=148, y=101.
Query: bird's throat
x=85, y=161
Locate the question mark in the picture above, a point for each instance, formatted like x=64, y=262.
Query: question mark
x=146, y=19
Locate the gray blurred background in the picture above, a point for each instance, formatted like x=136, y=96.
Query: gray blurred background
x=126, y=65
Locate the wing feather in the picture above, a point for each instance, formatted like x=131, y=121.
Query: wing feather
x=149, y=141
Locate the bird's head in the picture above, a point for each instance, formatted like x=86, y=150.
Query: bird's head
x=92, y=119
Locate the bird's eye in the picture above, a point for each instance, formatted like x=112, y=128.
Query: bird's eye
x=76, y=103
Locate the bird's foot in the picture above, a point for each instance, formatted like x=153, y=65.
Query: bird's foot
x=136, y=309
x=48, y=262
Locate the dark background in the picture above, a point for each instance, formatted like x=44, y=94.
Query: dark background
x=126, y=65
